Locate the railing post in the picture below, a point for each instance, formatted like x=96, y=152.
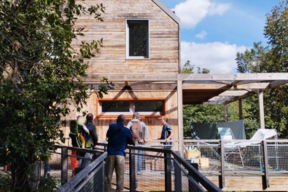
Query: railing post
x=265, y=177
x=167, y=163
x=222, y=176
x=64, y=164
x=132, y=171
x=177, y=176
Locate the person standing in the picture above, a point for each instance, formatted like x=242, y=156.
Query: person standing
x=91, y=139
x=143, y=135
x=118, y=137
x=167, y=132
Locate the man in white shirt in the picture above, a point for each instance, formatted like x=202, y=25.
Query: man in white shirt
x=143, y=135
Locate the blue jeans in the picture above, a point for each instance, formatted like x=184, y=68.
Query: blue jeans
x=139, y=161
x=47, y=169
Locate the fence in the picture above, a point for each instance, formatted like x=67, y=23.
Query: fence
x=243, y=157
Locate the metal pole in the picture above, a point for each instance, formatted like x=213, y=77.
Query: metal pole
x=222, y=176
x=178, y=176
x=265, y=177
x=64, y=164
x=168, y=180
x=132, y=171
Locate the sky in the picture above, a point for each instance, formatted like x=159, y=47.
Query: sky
x=213, y=31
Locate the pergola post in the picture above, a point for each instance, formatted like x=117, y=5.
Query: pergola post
x=180, y=116
x=226, y=113
x=240, y=109
x=261, y=109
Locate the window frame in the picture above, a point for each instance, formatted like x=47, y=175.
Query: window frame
x=129, y=114
x=128, y=45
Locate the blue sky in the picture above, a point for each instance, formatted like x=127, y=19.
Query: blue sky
x=213, y=31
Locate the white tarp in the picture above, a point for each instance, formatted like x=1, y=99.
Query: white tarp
x=263, y=134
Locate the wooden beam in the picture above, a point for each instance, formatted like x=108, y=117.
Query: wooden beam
x=180, y=117
x=224, y=82
x=253, y=86
x=236, y=82
x=248, y=82
x=226, y=100
x=203, y=86
x=233, y=93
x=94, y=77
x=261, y=109
x=240, y=109
x=234, y=77
x=277, y=83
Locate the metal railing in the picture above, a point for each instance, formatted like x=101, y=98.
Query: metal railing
x=166, y=171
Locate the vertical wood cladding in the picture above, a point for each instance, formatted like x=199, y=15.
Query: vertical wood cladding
x=164, y=41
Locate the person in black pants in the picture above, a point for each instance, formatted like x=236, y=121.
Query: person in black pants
x=91, y=139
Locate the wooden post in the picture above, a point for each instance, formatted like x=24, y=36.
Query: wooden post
x=261, y=109
x=180, y=117
x=226, y=113
x=240, y=109
x=64, y=164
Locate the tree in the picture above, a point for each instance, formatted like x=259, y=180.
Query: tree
x=40, y=74
x=189, y=69
x=273, y=58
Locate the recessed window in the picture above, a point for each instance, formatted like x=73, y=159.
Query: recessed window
x=127, y=107
x=115, y=106
x=137, y=43
x=147, y=106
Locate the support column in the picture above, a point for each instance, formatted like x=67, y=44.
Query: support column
x=180, y=117
x=261, y=109
x=240, y=109
x=226, y=113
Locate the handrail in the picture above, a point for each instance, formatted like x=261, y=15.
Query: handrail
x=76, y=149
x=69, y=186
x=197, y=175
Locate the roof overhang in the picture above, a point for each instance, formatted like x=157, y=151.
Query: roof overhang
x=167, y=11
x=197, y=88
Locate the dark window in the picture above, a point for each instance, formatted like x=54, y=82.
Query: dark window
x=148, y=106
x=138, y=38
x=115, y=106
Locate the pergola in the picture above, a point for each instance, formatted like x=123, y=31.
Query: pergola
x=201, y=88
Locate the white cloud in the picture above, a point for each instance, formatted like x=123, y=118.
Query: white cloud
x=201, y=35
x=192, y=12
x=218, y=57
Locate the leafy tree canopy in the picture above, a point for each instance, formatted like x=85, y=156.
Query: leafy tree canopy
x=273, y=58
x=40, y=74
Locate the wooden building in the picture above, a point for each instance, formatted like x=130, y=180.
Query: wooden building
x=139, y=37
x=141, y=56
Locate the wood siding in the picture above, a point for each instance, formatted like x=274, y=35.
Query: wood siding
x=164, y=37
x=153, y=123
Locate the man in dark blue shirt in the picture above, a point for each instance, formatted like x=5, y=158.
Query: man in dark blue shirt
x=167, y=132
x=118, y=137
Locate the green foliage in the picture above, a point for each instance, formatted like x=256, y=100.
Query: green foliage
x=273, y=58
x=40, y=76
x=189, y=69
x=5, y=181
